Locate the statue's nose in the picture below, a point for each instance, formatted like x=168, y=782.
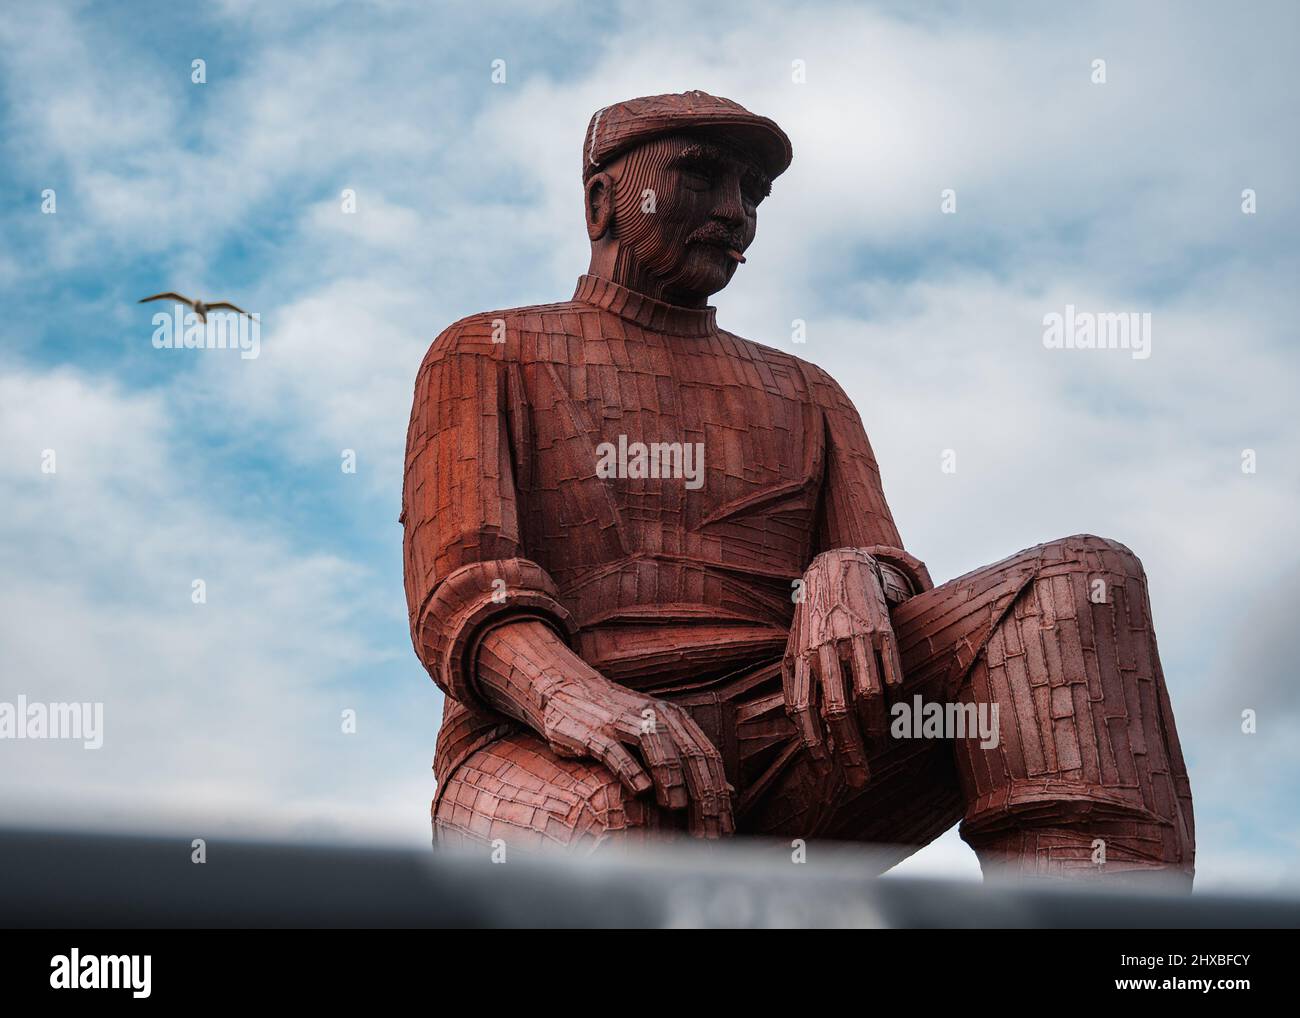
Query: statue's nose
x=729, y=213
x=729, y=209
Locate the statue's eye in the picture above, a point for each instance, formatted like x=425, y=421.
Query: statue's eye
x=697, y=178
x=754, y=189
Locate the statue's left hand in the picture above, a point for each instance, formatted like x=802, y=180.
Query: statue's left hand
x=841, y=664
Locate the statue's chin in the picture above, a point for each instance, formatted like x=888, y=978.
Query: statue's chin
x=706, y=271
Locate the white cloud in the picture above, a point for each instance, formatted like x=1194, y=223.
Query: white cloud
x=209, y=709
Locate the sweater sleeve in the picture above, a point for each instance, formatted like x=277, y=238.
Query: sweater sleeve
x=464, y=563
x=854, y=513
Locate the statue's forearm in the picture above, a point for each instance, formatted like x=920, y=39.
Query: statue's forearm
x=520, y=664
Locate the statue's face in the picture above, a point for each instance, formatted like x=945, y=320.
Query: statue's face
x=685, y=210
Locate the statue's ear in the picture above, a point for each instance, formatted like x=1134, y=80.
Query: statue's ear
x=600, y=205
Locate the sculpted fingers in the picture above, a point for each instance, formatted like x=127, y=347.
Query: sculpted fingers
x=710, y=807
x=892, y=661
x=800, y=696
x=610, y=752
x=868, y=687
x=676, y=759
x=840, y=723
x=565, y=734
x=667, y=769
x=842, y=661
x=582, y=730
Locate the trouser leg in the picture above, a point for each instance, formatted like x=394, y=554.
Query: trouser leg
x=1087, y=778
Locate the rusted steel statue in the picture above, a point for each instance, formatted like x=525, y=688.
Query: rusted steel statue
x=651, y=565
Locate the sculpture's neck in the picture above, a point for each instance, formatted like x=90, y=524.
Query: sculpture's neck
x=613, y=260
x=656, y=315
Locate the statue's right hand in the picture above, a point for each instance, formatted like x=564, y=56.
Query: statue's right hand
x=647, y=744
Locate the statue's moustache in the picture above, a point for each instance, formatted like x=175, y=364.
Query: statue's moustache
x=718, y=237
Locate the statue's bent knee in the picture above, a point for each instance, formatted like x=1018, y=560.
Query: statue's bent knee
x=1087, y=774
x=518, y=794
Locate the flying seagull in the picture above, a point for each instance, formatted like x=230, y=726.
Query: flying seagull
x=199, y=307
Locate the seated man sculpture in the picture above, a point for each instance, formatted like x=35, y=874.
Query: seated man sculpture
x=651, y=565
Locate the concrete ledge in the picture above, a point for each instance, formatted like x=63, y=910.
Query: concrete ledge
x=58, y=880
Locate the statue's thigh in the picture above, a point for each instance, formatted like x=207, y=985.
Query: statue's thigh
x=517, y=792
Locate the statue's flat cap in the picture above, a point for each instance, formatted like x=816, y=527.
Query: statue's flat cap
x=615, y=129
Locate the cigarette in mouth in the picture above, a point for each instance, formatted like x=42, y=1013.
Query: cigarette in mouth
x=736, y=255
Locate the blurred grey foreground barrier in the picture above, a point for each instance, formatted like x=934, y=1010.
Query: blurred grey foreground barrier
x=59, y=879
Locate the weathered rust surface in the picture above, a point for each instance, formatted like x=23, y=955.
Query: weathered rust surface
x=651, y=564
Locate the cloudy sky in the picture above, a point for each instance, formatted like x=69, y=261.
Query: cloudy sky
x=181, y=465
